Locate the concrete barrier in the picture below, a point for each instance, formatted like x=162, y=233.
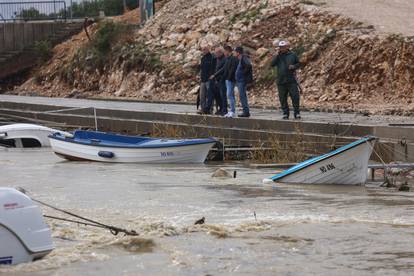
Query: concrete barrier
x=315, y=137
x=15, y=36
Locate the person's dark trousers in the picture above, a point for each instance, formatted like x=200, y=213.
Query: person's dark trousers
x=286, y=90
x=210, y=97
x=204, y=86
x=217, y=96
x=223, y=94
x=242, y=87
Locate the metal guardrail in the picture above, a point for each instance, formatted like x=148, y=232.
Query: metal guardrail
x=65, y=9
x=33, y=10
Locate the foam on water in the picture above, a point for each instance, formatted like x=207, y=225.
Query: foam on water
x=323, y=228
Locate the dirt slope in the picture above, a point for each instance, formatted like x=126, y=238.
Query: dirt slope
x=347, y=65
x=389, y=16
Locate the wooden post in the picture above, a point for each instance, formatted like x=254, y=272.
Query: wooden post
x=125, y=6
x=147, y=9
x=142, y=11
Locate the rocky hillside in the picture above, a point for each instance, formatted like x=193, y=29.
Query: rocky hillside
x=347, y=66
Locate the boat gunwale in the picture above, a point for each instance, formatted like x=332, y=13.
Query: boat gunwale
x=323, y=157
x=202, y=141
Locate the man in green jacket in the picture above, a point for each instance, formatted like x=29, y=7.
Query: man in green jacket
x=287, y=63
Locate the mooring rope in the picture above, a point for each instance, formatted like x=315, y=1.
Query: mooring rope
x=382, y=161
x=77, y=108
x=392, y=150
x=113, y=229
x=375, y=152
x=89, y=222
x=74, y=221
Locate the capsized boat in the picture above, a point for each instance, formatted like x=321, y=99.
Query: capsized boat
x=347, y=165
x=24, y=236
x=106, y=147
x=26, y=135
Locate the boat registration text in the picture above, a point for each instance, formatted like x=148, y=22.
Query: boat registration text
x=327, y=168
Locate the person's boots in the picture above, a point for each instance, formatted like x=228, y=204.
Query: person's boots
x=285, y=117
x=244, y=115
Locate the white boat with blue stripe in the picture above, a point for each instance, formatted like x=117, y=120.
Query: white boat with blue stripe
x=106, y=147
x=347, y=165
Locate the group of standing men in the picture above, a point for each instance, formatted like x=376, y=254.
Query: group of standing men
x=220, y=74
x=226, y=69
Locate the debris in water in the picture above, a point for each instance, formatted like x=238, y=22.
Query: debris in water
x=200, y=221
x=388, y=183
x=404, y=187
x=136, y=245
x=219, y=232
x=222, y=173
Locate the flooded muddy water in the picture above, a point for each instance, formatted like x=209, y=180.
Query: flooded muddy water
x=298, y=229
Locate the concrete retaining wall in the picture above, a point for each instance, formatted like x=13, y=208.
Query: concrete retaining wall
x=316, y=137
x=15, y=36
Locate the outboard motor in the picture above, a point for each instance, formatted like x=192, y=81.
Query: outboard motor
x=24, y=236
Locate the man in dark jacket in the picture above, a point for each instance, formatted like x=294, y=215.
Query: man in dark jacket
x=243, y=77
x=207, y=67
x=229, y=75
x=219, y=82
x=287, y=63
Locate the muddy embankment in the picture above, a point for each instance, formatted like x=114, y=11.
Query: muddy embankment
x=347, y=65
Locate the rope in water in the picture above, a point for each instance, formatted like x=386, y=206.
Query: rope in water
x=376, y=153
x=89, y=222
x=74, y=221
x=392, y=150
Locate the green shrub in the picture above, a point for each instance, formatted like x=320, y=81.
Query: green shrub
x=107, y=35
x=97, y=53
x=268, y=75
x=249, y=15
x=111, y=46
x=299, y=49
x=309, y=2
x=136, y=56
x=43, y=50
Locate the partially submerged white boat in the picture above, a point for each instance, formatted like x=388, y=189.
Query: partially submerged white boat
x=24, y=236
x=105, y=147
x=26, y=135
x=347, y=165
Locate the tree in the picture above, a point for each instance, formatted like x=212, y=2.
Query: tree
x=109, y=7
x=30, y=14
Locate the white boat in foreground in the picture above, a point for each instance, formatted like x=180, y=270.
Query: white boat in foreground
x=105, y=147
x=347, y=165
x=24, y=237
x=26, y=135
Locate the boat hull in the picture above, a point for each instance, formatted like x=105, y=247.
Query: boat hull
x=178, y=154
x=27, y=135
x=24, y=236
x=347, y=167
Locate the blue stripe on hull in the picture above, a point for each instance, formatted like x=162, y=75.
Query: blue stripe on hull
x=102, y=139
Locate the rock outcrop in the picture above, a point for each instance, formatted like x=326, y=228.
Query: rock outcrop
x=347, y=66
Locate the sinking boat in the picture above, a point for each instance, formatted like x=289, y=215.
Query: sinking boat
x=24, y=236
x=347, y=165
x=26, y=135
x=106, y=147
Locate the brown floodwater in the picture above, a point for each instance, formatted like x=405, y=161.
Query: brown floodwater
x=298, y=229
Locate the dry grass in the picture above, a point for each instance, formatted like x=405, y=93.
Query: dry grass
x=277, y=151
x=164, y=130
x=272, y=150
